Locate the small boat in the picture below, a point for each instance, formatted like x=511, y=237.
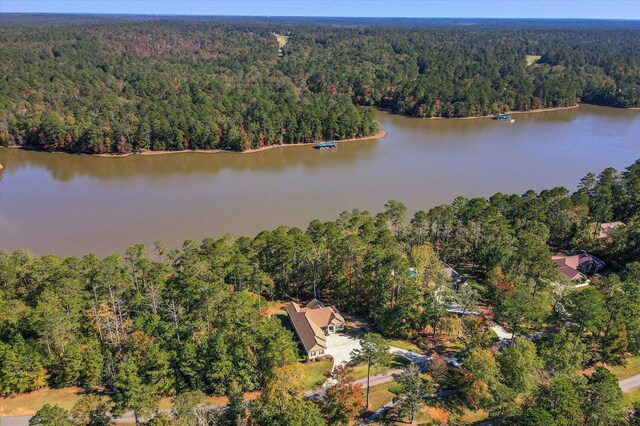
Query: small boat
x=325, y=145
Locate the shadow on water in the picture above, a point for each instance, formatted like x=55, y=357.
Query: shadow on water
x=64, y=167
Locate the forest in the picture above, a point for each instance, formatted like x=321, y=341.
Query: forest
x=128, y=84
x=186, y=322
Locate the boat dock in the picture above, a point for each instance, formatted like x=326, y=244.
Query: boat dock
x=503, y=117
x=325, y=145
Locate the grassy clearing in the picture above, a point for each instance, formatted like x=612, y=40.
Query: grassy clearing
x=403, y=344
x=631, y=397
x=470, y=417
x=449, y=348
x=532, y=59
x=424, y=416
x=378, y=396
x=360, y=372
x=28, y=404
x=282, y=40
x=316, y=373
x=631, y=369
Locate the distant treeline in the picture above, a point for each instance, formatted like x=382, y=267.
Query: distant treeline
x=100, y=85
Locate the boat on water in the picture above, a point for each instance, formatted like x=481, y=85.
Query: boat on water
x=503, y=117
x=325, y=145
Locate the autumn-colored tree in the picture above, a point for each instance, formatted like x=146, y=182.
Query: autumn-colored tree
x=451, y=326
x=287, y=385
x=438, y=368
x=480, y=376
x=282, y=403
x=91, y=410
x=342, y=401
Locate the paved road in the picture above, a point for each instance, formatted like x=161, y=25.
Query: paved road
x=626, y=385
x=24, y=420
x=340, y=347
x=503, y=334
x=378, y=379
x=630, y=383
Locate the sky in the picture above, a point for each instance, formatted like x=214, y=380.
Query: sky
x=585, y=9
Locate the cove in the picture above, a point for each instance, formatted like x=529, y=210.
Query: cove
x=71, y=205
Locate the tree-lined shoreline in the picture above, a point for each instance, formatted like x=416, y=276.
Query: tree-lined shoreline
x=132, y=328
x=114, y=85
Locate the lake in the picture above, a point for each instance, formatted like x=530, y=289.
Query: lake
x=70, y=205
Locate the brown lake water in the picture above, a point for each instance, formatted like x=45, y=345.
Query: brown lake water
x=71, y=205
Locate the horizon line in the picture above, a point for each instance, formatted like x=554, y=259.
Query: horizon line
x=318, y=16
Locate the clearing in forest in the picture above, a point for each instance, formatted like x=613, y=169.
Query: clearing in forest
x=282, y=40
x=532, y=59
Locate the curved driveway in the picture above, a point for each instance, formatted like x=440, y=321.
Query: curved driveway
x=339, y=346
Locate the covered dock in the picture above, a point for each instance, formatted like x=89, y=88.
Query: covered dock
x=325, y=145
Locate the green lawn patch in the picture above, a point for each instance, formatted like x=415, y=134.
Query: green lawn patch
x=378, y=396
x=360, y=372
x=631, y=369
x=631, y=397
x=470, y=417
x=316, y=373
x=403, y=344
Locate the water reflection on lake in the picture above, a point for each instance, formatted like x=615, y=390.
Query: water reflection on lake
x=69, y=204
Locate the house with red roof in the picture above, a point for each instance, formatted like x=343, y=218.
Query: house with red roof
x=577, y=266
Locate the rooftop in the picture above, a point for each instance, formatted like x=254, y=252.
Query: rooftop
x=309, y=321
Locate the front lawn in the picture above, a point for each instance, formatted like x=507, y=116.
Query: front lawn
x=397, y=361
x=631, y=369
x=379, y=395
x=631, y=397
x=27, y=404
x=316, y=373
x=403, y=344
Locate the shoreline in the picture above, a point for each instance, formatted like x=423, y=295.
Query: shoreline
x=508, y=112
x=379, y=135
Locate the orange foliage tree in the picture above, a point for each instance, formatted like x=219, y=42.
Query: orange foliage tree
x=342, y=402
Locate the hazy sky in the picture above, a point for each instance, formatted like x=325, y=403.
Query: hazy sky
x=610, y=9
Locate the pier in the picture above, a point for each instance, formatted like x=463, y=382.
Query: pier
x=325, y=145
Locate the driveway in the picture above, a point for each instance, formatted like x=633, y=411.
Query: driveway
x=630, y=383
x=503, y=334
x=339, y=346
x=414, y=357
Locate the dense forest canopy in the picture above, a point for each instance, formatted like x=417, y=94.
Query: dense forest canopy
x=121, y=84
x=170, y=322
